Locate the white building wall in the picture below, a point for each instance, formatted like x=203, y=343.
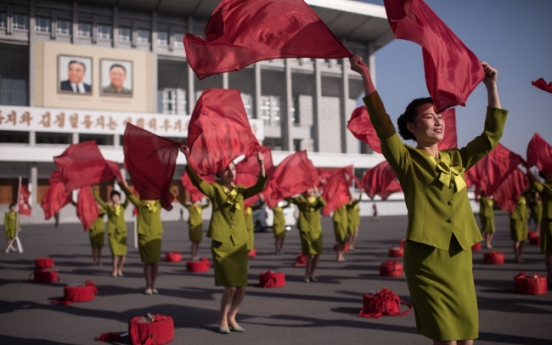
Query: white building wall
x=352, y=142
x=330, y=125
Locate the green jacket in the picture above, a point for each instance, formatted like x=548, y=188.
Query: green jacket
x=520, y=212
x=353, y=214
x=545, y=191
x=10, y=221
x=195, y=211
x=115, y=214
x=228, y=217
x=279, y=218
x=341, y=216
x=149, y=217
x=434, y=189
x=98, y=226
x=309, y=213
x=486, y=207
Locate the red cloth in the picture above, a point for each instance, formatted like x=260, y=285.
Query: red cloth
x=271, y=279
x=493, y=257
x=336, y=193
x=489, y=173
x=507, y=194
x=43, y=263
x=252, y=253
x=247, y=172
x=23, y=201
x=202, y=265
x=476, y=247
x=44, y=276
x=87, y=208
x=82, y=165
x=384, y=303
x=219, y=131
x=150, y=161
x=291, y=177
x=325, y=174
x=380, y=180
x=173, y=257
x=391, y=269
x=55, y=197
x=396, y=252
x=158, y=332
x=363, y=129
x=539, y=153
x=79, y=293
x=240, y=33
x=452, y=71
x=530, y=284
x=108, y=337
x=195, y=194
x=541, y=84
x=300, y=260
x=450, y=140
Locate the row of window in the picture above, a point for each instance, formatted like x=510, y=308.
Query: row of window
x=104, y=31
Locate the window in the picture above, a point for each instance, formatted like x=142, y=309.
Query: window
x=270, y=110
x=43, y=25
x=144, y=36
x=178, y=40
x=124, y=33
x=174, y=101
x=104, y=31
x=162, y=38
x=20, y=21
x=295, y=111
x=3, y=20
x=64, y=27
x=247, y=104
x=85, y=29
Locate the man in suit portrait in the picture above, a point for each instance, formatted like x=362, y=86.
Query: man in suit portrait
x=76, y=71
x=117, y=75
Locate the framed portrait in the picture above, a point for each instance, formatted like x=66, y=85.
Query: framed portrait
x=116, y=78
x=74, y=75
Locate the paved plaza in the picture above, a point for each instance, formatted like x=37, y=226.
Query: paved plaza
x=321, y=313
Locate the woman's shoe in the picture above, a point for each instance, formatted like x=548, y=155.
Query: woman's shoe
x=237, y=329
x=307, y=280
x=148, y=292
x=154, y=291
x=114, y=274
x=314, y=280
x=120, y=274
x=224, y=330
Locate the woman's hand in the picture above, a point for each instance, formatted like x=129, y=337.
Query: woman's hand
x=490, y=82
x=360, y=67
x=260, y=159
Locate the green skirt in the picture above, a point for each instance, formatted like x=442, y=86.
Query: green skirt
x=10, y=234
x=546, y=235
x=279, y=231
x=487, y=224
x=196, y=233
x=230, y=263
x=352, y=229
x=118, y=243
x=311, y=243
x=340, y=232
x=97, y=239
x=251, y=240
x=518, y=230
x=442, y=290
x=150, y=249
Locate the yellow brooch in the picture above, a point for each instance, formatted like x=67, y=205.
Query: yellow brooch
x=449, y=174
x=152, y=206
x=232, y=198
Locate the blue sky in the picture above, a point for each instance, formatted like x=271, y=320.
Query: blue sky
x=514, y=36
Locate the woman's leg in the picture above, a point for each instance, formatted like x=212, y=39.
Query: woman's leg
x=236, y=303
x=147, y=275
x=121, y=264
x=314, y=264
x=281, y=245
x=154, y=272
x=308, y=267
x=100, y=256
x=340, y=251
x=225, y=305
x=195, y=250
x=115, y=262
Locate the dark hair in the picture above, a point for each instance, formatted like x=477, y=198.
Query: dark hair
x=117, y=65
x=12, y=205
x=75, y=61
x=542, y=174
x=409, y=116
x=114, y=192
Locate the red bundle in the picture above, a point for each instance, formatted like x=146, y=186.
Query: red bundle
x=272, y=280
x=202, y=265
x=145, y=331
x=79, y=293
x=402, y=243
x=345, y=249
x=531, y=284
x=493, y=257
x=391, y=269
x=476, y=247
x=44, y=276
x=252, y=253
x=534, y=238
x=384, y=303
x=44, y=263
x=300, y=260
x=173, y=257
x=396, y=252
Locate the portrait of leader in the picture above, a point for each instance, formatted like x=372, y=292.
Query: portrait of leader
x=116, y=78
x=75, y=75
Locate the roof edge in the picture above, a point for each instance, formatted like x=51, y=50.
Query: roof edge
x=357, y=7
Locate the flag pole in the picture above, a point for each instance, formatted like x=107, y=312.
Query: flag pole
x=135, y=232
x=17, y=222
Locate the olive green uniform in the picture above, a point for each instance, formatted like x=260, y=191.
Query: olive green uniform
x=309, y=224
x=10, y=224
x=279, y=223
x=227, y=228
x=518, y=221
x=537, y=210
x=353, y=215
x=250, y=225
x=545, y=190
x=116, y=225
x=486, y=215
x=195, y=220
x=441, y=226
x=341, y=224
x=97, y=230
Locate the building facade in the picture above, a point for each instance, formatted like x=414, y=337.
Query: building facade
x=72, y=71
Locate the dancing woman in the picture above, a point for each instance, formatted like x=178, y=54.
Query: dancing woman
x=486, y=218
x=441, y=226
x=195, y=223
x=229, y=235
x=279, y=226
x=353, y=215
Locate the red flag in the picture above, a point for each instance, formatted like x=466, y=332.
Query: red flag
x=452, y=71
x=55, y=197
x=380, y=180
x=541, y=84
x=450, y=139
x=219, y=131
x=291, y=177
x=336, y=193
x=150, y=161
x=195, y=194
x=489, y=173
x=539, y=153
x=363, y=129
x=82, y=165
x=509, y=191
x=248, y=170
x=24, y=202
x=87, y=208
x=326, y=174
x=240, y=33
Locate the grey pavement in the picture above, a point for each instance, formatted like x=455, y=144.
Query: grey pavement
x=300, y=313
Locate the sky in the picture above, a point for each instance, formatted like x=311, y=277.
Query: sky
x=514, y=36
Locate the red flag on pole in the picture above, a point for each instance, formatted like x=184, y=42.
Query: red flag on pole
x=55, y=197
x=336, y=193
x=219, y=131
x=380, y=180
x=452, y=71
x=87, y=208
x=363, y=129
x=450, y=139
x=539, y=153
x=541, y=84
x=240, y=33
x=247, y=172
x=150, y=161
x=24, y=204
x=509, y=191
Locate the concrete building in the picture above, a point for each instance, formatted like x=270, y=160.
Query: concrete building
x=293, y=104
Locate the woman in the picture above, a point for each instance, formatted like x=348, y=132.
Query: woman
x=150, y=234
x=250, y=225
x=545, y=191
x=353, y=214
x=279, y=227
x=309, y=205
x=441, y=227
x=10, y=226
x=228, y=232
x=486, y=218
x=116, y=229
x=518, y=227
x=97, y=236
x=195, y=223
x=341, y=225
x=536, y=202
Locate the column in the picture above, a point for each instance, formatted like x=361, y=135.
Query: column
x=317, y=97
x=372, y=62
x=287, y=117
x=32, y=16
x=258, y=91
x=191, y=76
x=75, y=138
x=343, y=103
x=115, y=27
x=155, y=60
x=75, y=31
x=33, y=183
x=225, y=81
